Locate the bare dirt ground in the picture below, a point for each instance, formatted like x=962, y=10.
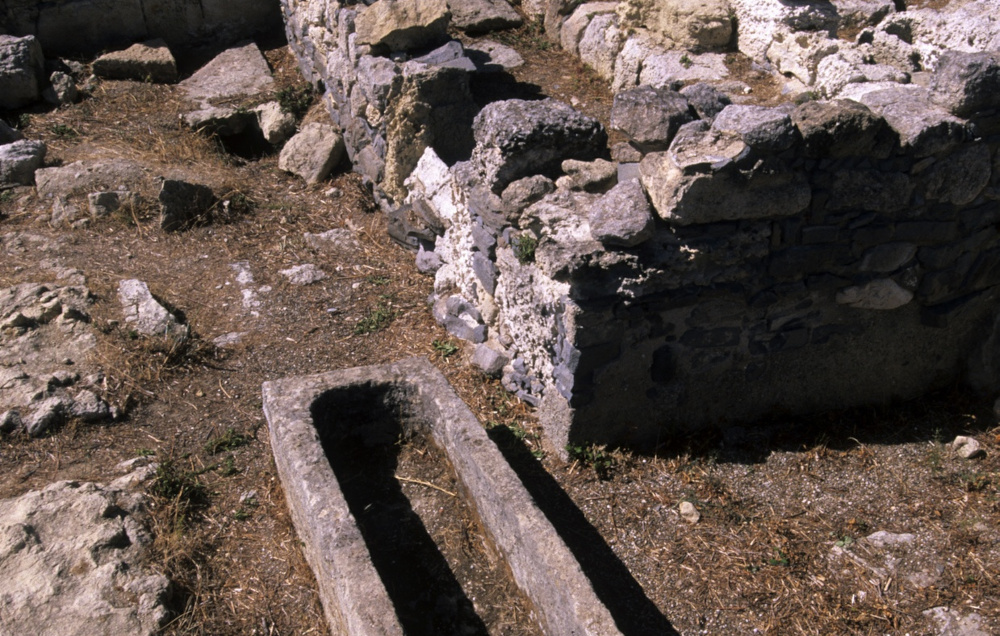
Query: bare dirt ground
x=785, y=505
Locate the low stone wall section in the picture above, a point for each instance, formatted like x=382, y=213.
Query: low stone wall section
x=733, y=261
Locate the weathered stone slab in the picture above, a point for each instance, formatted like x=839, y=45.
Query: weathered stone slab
x=313, y=153
x=967, y=83
x=145, y=61
x=84, y=177
x=762, y=128
x=353, y=596
x=237, y=72
x=622, y=216
x=840, y=128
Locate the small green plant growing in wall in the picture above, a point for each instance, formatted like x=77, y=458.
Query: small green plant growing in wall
x=686, y=61
x=524, y=248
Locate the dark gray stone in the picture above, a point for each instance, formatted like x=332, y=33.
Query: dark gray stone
x=922, y=127
x=888, y=257
x=485, y=271
x=489, y=360
x=650, y=116
x=622, y=216
x=10, y=421
x=872, y=191
x=517, y=138
x=706, y=100
x=959, y=177
x=8, y=134
x=967, y=83
x=841, y=128
x=762, y=128
x=450, y=55
x=183, y=204
x=523, y=192
x=22, y=71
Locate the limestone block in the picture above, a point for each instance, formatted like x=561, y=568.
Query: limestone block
x=403, y=25
x=622, y=216
x=848, y=66
x=689, y=24
x=650, y=117
x=672, y=68
x=576, y=24
x=760, y=127
x=517, y=138
x=696, y=181
x=760, y=20
x=886, y=192
x=856, y=14
x=313, y=153
x=601, y=43
x=76, y=563
x=598, y=175
x=482, y=16
x=798, y=54
x=19, y=160
x=237, y=72
x=967, y=83
x=840, y=128
x=61, y=89
x=489, y=56
x=22, y=71
x=909, y=110
x=275, y=124
x=636, y=50
x=489, y=360
x=148, y=61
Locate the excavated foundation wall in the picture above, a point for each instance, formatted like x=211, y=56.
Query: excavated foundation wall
x=65, y=27
x=741, y=261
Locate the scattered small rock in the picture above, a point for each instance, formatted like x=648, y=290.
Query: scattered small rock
x=275, y=124
x=101, y=204
x=883, y=539
x=228, y=339
x=147, y=316
x=950, y=622
x=598, y=175
x=335, y=239
x=967, y=447
x=313, y=153
x=61, y=89
x=688, y=512
x=89, y=407
x=489, y=360
x=306, y=274
x=183, y=204
x=8, y=134
x=482, y=16
x=10, y=421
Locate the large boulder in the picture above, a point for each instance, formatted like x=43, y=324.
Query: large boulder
x=700, y=24
x=313, y=153
x=19, y=160
x=403, y=25
x=517, y=138
x=760, y=20
x=22, y=71
x=148, y=61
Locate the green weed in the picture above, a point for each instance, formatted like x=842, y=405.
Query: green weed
x=524, y=248
x=596, y=456
x=378, y=318
x=230, y=440
x=296, y=100
x=445, y=347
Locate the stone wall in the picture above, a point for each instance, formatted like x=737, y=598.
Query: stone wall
x=65, y=27
x=732, y=262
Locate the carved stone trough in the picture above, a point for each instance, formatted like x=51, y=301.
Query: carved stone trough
x=311, y=417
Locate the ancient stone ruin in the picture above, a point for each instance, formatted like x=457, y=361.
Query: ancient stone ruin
x=732, y=259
